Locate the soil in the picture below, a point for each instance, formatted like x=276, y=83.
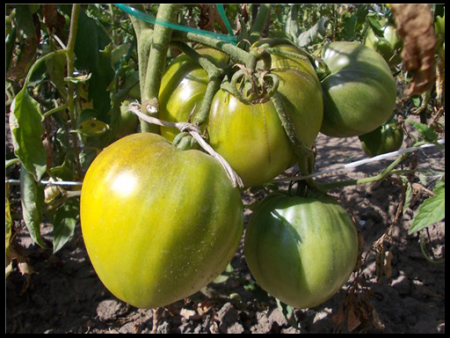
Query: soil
x=64, y=294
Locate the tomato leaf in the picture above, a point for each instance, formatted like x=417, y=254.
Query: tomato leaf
x=64, y=223
x=311, y=34
x=288, y=313
x=26, y=128
x=92, y=127
x=431, y=211
x=291, y=27
x=32, y=198
x=91, y=40
x=427, y=132
x=372, y=19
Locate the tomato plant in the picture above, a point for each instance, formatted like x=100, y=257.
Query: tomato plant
x=231, y=120
x=384, y=139
x=360, y=92
x=158, y=223
x=160, y=220
x=301, y=250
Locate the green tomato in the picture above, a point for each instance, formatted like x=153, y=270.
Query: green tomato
x=301, y=250
x=389, y=46
x=183, y=87
x=128, y=121
x=360, y=92
x=158, y=223
x=382, y=140
x=250, y=136
x=135, y=91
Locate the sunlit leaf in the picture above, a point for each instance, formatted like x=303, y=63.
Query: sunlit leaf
x=431, y=211
x=26, y=128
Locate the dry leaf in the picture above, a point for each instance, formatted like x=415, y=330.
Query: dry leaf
x=376, y=321
x=352, y=320
x=415, y=26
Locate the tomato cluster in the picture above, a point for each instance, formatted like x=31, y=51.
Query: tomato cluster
x=160, y=223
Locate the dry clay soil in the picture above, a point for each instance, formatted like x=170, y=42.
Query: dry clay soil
x=64, y=294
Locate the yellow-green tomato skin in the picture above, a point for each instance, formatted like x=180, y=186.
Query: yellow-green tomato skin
x=183, y=88
x=158, y=223
x=251, y=137
x=301, y=250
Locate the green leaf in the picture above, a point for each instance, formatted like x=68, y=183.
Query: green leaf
x=64, y=171
x=291, y=27
x=26, y=128
x=224, y=276
x=32, y=198
x=350, y=27
x=64, y=223
x=312, y=34
x=56, y=70
x=92, y=127
x=288, y=313
x=428, y=133
x=91, y=40
x=408, y=194
x=375, y=24
x=431, y=211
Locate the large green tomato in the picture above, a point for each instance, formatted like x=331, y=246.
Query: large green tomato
x=382, y=140
x=301, y=250
x=250, y=136
x=360, y=92
x=389, y=46
x=159, y=223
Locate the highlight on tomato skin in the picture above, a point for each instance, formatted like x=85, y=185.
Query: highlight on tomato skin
x=301, y=250
x=158, y=223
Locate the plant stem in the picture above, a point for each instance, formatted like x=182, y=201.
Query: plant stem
x=70, y=68
x=236, y=53
x=304, y=154
x=55, y=110
x=157, y=61
x=260, y=23
x=385, y=172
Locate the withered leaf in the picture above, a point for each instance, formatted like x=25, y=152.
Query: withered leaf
x=415, y=26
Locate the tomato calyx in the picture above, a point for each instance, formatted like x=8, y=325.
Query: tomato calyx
x=253, y=87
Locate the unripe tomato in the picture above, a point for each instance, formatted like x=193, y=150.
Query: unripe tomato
x=159, y=223
x=301, y=250
x=388, y=46
x=360, y=92
x=382, y=140
x=183, y=88
x=128, y=121
x=250, y=136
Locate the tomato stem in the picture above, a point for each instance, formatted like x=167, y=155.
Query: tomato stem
x=260, y=23
x=234, y=52
x=304, y=155
x=157, y=60
x=70, y=54
x=383, y=174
